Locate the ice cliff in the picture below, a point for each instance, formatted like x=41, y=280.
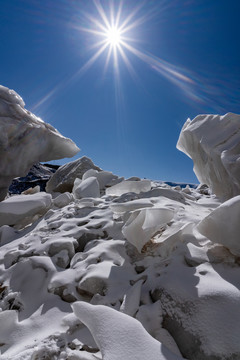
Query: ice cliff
x=213, y=142
x=25, y=140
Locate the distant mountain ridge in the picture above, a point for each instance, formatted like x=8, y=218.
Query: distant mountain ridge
x=39, y=174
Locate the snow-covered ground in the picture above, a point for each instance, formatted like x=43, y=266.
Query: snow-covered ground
x=102, y=267
x=122, y=275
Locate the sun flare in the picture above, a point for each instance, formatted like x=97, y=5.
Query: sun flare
x=113, y=36
x=114, y=33
x=111, y=30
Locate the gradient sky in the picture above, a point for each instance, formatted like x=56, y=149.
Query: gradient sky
x=185, y=56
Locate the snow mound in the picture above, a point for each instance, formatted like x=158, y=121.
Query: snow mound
x=119, y=336
x=213, y=143
x=25, y=140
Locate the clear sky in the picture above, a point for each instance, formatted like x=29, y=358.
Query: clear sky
x=123, y=95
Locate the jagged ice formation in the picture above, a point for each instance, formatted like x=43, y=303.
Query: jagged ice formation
x=25, y=140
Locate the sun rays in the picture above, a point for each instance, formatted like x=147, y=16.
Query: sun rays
x=114, y=33
x=111, y=32
x=112, y=36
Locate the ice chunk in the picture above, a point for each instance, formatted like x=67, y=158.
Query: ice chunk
x=172, y=236
x=86, y=188
x=104, y=177
x=25, y=140
x=222, y=225
x=213, y=143
x=63, y=179
x=143, y=224
x=130, y=205
x=108, y=326
x=63, y=199
x=17, y=208
x=129, y=186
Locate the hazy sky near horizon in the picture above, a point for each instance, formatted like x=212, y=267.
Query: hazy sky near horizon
x=124, y=108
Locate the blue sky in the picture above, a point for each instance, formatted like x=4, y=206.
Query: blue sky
x=185, y=55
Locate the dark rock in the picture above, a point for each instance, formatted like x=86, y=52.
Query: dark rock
x=39, y=174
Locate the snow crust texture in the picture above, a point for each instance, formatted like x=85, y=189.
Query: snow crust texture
x=213, y=143
x=25, y=140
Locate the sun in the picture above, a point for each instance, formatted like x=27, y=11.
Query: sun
x=111, y=31
x=113, y=36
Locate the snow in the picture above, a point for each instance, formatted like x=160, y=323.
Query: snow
x=131, y=341
x=63, y=199
x=133, y=261
x=129, y=186
x=106, y=268
x=222, y=225
x=104, y=178
x=18, y=208
x=25, y=140
x=213, y=143
x=88, y=187
x=143, y=224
